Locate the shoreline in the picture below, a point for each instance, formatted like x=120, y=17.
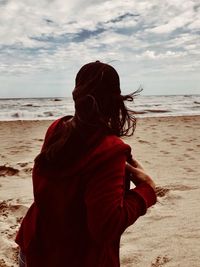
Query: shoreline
x=142, y=117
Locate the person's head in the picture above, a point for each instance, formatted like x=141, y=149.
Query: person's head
x=98, y=99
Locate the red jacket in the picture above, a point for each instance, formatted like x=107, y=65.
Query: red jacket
x=77, y=217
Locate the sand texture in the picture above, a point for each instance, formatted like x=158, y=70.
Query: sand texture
x=169, y=149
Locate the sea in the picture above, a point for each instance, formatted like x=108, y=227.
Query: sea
x=53, y=108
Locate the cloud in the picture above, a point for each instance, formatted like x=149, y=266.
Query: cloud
x=147, y=36
x=168, y=54
x=175, y=23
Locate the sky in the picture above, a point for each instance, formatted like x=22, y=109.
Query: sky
x=154, y=44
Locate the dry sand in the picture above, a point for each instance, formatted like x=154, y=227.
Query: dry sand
x=169, y=148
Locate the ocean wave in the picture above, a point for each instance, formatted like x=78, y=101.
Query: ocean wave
x=30, y=105
x=157, y=110
x=48, y=114
x=57, y=99
x=53, y=108
x=140, y=112
x=15, y=115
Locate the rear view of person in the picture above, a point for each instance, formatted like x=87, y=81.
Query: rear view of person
x=81, y=180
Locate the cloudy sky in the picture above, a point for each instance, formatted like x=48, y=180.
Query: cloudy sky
x=155, y=44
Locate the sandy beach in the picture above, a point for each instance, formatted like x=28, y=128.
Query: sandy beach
x=169, y=149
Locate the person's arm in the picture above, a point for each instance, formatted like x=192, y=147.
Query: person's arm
x=138, y=175
x=110, y=210
x=135, y=163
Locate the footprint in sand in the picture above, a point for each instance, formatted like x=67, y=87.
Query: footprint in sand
x=190, y=149
x=22, y=164
x=173, y=144
x=168, y=139
x=6, y=207
x=181, y=187
x=174, y=137
x=28, y=170
x=25, y=169
x=11, y=215
x=3, y=263
x=164, y=152
x=143, y=142
x=161, y=191
x=8, y=171
x=160, y=261
x=188, y=169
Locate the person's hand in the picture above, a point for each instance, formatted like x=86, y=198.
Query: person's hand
x=135, y=163
x=138, y=175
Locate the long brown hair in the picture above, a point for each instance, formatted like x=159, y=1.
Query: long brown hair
x=99, y=111
x=98, y=99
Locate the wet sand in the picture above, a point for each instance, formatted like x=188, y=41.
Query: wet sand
x=169, y=149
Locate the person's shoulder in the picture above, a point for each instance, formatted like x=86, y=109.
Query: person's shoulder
x=112, y=144
x=53, y=128
x=112, y=140
x=55, y=123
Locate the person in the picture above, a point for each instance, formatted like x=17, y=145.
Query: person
x=81, y=180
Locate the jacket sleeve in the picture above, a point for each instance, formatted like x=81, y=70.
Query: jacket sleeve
x=111, y=209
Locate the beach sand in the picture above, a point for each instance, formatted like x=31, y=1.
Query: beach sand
x=169, y=149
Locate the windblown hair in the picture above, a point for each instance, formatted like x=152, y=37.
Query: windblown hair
x=98, y=99
x=99, y=111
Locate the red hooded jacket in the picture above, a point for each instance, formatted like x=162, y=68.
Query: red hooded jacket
x=79, y=213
